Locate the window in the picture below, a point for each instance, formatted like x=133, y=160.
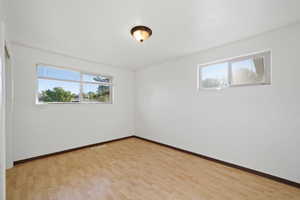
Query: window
x=59, y=85
x=248, y=70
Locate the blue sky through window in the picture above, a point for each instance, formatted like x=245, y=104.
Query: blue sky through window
x=50, y=84
x=217, y=71
x=53, y=72
x=64, y=74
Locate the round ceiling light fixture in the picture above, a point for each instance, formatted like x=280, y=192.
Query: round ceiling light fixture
x=141, y=33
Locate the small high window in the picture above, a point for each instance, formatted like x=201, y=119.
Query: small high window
x=59, y=85
x=247, y=70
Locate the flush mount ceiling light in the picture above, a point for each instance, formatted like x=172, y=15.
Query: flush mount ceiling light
x=141, y=33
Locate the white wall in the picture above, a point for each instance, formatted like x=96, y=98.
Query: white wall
x=255, y=126
x=8, y=112
x=2, y=106
x=2, y=115
x=42, y=129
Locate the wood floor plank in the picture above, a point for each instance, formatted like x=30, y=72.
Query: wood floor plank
x=134, y=169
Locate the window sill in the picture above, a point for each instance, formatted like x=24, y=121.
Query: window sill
x=57, y=103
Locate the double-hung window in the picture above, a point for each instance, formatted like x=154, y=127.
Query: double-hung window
x=60, y=85
x=254, y=69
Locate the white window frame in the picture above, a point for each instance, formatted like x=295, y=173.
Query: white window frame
x=81, y=83
x=267, y=55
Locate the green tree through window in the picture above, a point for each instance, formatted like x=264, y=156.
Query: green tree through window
x=64, y=85
x=57, y=94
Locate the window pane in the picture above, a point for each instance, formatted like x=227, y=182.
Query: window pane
x=214, y=76
x=96, y=93
x=96, y=78
x=248, y=71
x=58, y=91
x=53, y=72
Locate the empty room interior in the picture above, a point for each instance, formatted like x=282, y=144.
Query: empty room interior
x=150, y=100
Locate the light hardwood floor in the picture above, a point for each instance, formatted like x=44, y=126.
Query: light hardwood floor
x=134, y=169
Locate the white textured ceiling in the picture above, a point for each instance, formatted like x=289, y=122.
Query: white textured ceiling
x=98, y=30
